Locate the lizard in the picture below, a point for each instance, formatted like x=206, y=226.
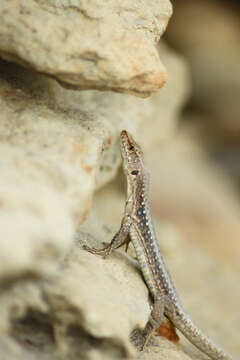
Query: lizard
x=137, y=227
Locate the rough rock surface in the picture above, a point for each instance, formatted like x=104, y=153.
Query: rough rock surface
x=88, y=309
x=107, y=45
x=203, y=283
x=166, y=107
x=58, y=146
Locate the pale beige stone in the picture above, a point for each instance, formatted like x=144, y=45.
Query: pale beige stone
x=106, y=45
x=161, y=124
x=101, y=293
x=198, y=197
x=105, y=299
x=10, y=350
x=56, y=147
x=206, y=286
x=214, y=60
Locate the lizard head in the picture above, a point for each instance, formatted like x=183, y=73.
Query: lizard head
x=132, y=156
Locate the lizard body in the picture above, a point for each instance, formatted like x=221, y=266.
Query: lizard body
x=137, y=222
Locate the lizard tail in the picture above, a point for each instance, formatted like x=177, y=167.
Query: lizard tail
x=184, y=323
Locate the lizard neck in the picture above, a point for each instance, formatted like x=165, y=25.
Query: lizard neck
x=138, y=193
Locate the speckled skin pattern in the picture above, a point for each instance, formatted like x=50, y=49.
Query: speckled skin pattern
x=137, y=222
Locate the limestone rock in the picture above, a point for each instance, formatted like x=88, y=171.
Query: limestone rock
x=214, y=60
x=90, y=307
x=167, y=103
x=204, y=296
x=56, y=147
x=10, y=350
x=198, y=197
x=108, y=45
x=100, y=294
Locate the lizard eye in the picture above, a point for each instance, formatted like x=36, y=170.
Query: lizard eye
x=131, y=147
x=134, y=172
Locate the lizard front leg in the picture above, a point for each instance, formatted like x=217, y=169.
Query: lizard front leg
x=119, y=239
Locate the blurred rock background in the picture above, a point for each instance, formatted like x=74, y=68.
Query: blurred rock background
x=73, y=74
x=207, y=34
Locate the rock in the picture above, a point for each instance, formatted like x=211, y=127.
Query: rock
x=106, y=45
x=166, y=104
x=216, y=85
x=10, y=350
x=100, y=294
x=57, y=146
x=204, y=296
x=89, y=307
x=197, y=196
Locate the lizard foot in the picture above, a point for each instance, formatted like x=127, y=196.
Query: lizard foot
x=104, y=252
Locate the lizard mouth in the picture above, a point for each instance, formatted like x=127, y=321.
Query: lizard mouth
x=129, y=148
x=124, y=136
x=127, y=143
